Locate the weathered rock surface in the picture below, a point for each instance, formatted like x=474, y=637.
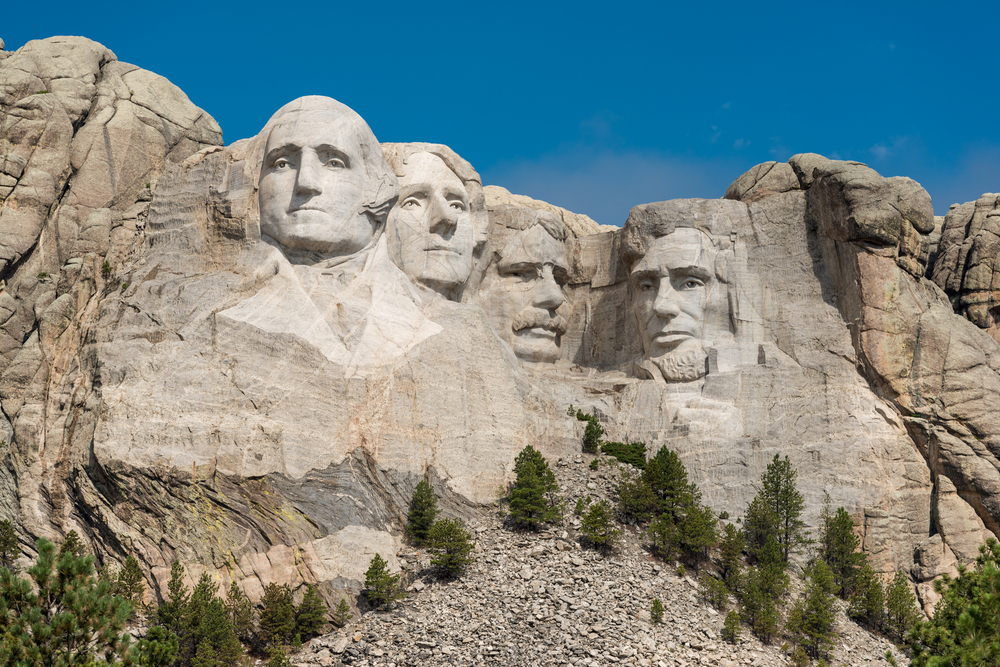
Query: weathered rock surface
x=178, y=385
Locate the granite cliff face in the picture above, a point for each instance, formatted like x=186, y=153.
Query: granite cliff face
x=246, y=357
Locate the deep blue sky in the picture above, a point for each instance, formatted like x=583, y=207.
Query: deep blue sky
x=595, y=107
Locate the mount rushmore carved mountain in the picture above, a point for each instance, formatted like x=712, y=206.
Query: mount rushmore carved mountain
x=245, y=357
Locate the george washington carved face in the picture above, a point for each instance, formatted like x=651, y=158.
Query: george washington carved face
x=324, y=186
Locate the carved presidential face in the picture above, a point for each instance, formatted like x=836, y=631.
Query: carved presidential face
x=431, y=231
x=672, y=286
x=523, y=293
x=312, y=185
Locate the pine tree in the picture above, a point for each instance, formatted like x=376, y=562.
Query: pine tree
x=423, y=511
x=901, y=612
x=61, y=614
x=776, y=511
x=839, y=548
x=452, y=545
x=812, y=618
x=206, y=621
x=656, y=611
x=731, y=627
x=533, y=498
x=381, y=587
x=10, y=548
x=342, y=614
x=762, y=588
x=158, y=649
x=731, y=550
x=73, y=545
x=130, y=583
x=867, y=605
x=277, y=614
x=667, y=477
x=241, y=613
x=310, y=614
x=965, y=627
x=598, y=526
x=698, y=532
x=637, y=502
x=170, y=613
x=663, y=536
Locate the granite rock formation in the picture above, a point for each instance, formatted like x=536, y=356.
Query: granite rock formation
x=246, y=357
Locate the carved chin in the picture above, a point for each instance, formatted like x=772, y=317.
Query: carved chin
x=683, y=366
x=537, y=345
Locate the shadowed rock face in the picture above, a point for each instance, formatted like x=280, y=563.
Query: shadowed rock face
x=245, y=358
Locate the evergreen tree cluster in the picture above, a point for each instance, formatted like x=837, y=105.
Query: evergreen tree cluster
x=679, y=525
x=771, y=533
x=62, y=614
x=965, y=628
x=447, y=539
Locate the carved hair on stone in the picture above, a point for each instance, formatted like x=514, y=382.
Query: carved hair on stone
x=648, y=222
x=398, y=156
x=381, y=187
x=523, y=219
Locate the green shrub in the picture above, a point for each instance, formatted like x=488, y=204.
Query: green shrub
x=839, y=547
x=633, y=453
x=452, y=545
x=241, y=612
x=581, y=506
x=594, y=463
x=592, y=434
x=731, y=627
x=656, y=611
x=342, y=614
x=811, y=620
x=713, y=591
x=382, y=587
x=598, y=526
x=636, y=500
x=867, y=604
x=10, y=548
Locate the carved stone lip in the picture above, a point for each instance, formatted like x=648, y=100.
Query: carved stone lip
x=671, y=336
x=538, y=332
x=443, y=249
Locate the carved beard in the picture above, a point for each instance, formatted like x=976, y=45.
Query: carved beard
x=682, y=366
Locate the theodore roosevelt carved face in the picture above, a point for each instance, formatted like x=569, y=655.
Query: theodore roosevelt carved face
x=522, y=292
x=324, y=185
x=673, y=285
x=431, y=229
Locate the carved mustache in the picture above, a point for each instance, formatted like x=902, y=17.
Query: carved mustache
x=529, y=319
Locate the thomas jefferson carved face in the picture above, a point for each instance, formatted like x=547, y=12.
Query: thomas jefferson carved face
x=523, y=293
x=312, y=184
x=672, y=286
x=431, y=230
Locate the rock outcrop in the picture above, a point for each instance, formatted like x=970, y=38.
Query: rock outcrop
x=198, y=362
